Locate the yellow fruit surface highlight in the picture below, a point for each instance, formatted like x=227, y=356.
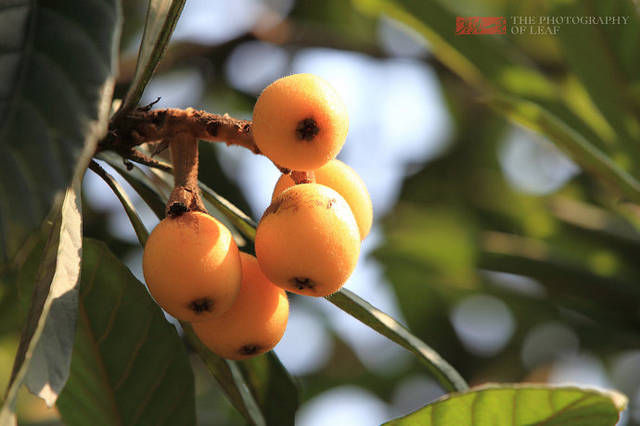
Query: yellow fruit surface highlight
x=254, y=324
x=308, y=241
x=346, y=182
x=300, y=122
x=192, y=266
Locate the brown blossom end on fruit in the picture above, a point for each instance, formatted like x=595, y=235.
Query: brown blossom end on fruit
x=201, y=305
x=307, y=129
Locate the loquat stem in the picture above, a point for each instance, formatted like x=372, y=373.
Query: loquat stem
x=185, y=196
x=303, y=177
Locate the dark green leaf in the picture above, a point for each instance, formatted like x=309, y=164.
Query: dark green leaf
x=129, y=365
x=263, y=376
x=515, y=405
x=43, y=356
x=230, y=379
x=364, y=312
x=162, y=16
x=57, y=62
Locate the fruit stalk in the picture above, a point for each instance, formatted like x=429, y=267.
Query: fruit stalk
x=303, y=177
x=185, y=196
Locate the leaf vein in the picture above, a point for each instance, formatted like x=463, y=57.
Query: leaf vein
x=550, y=398
x=565, y=409
x=90, y=284
x=112, y=317
x=134, y=355
x=474, y=403
x=514, y=407
x=100, y=362
x=153, y=389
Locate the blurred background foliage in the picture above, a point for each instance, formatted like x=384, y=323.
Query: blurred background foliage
x=489, y=243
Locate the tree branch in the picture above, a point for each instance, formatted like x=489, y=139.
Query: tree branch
x=143, y=126
x=158, y=126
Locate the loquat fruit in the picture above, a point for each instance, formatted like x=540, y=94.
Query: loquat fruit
x=346, y=182
x=300, y=122
x=254, y=324
x=192, y=266
x=308, y=241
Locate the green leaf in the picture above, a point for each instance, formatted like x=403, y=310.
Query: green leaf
x=568, y=282
x=129, y=365
x=211, y=174
x=604, y=80
x=238, y=218
x=44, y=354
x=138, y=181
x=273, y=387
x=514, y=405
x=57, y=62
x=162, y=16
x=364, y=312
x=136, y=222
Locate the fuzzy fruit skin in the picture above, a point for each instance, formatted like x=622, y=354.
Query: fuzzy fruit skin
x=283, y=106
x=346, y=182
x=308, y=241
x=191, y=261
x=254, y=324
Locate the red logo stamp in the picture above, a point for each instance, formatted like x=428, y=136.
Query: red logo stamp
x=481, y=25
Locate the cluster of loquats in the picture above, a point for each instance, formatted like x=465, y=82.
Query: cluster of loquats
x=194, y=270
x=307, y=241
